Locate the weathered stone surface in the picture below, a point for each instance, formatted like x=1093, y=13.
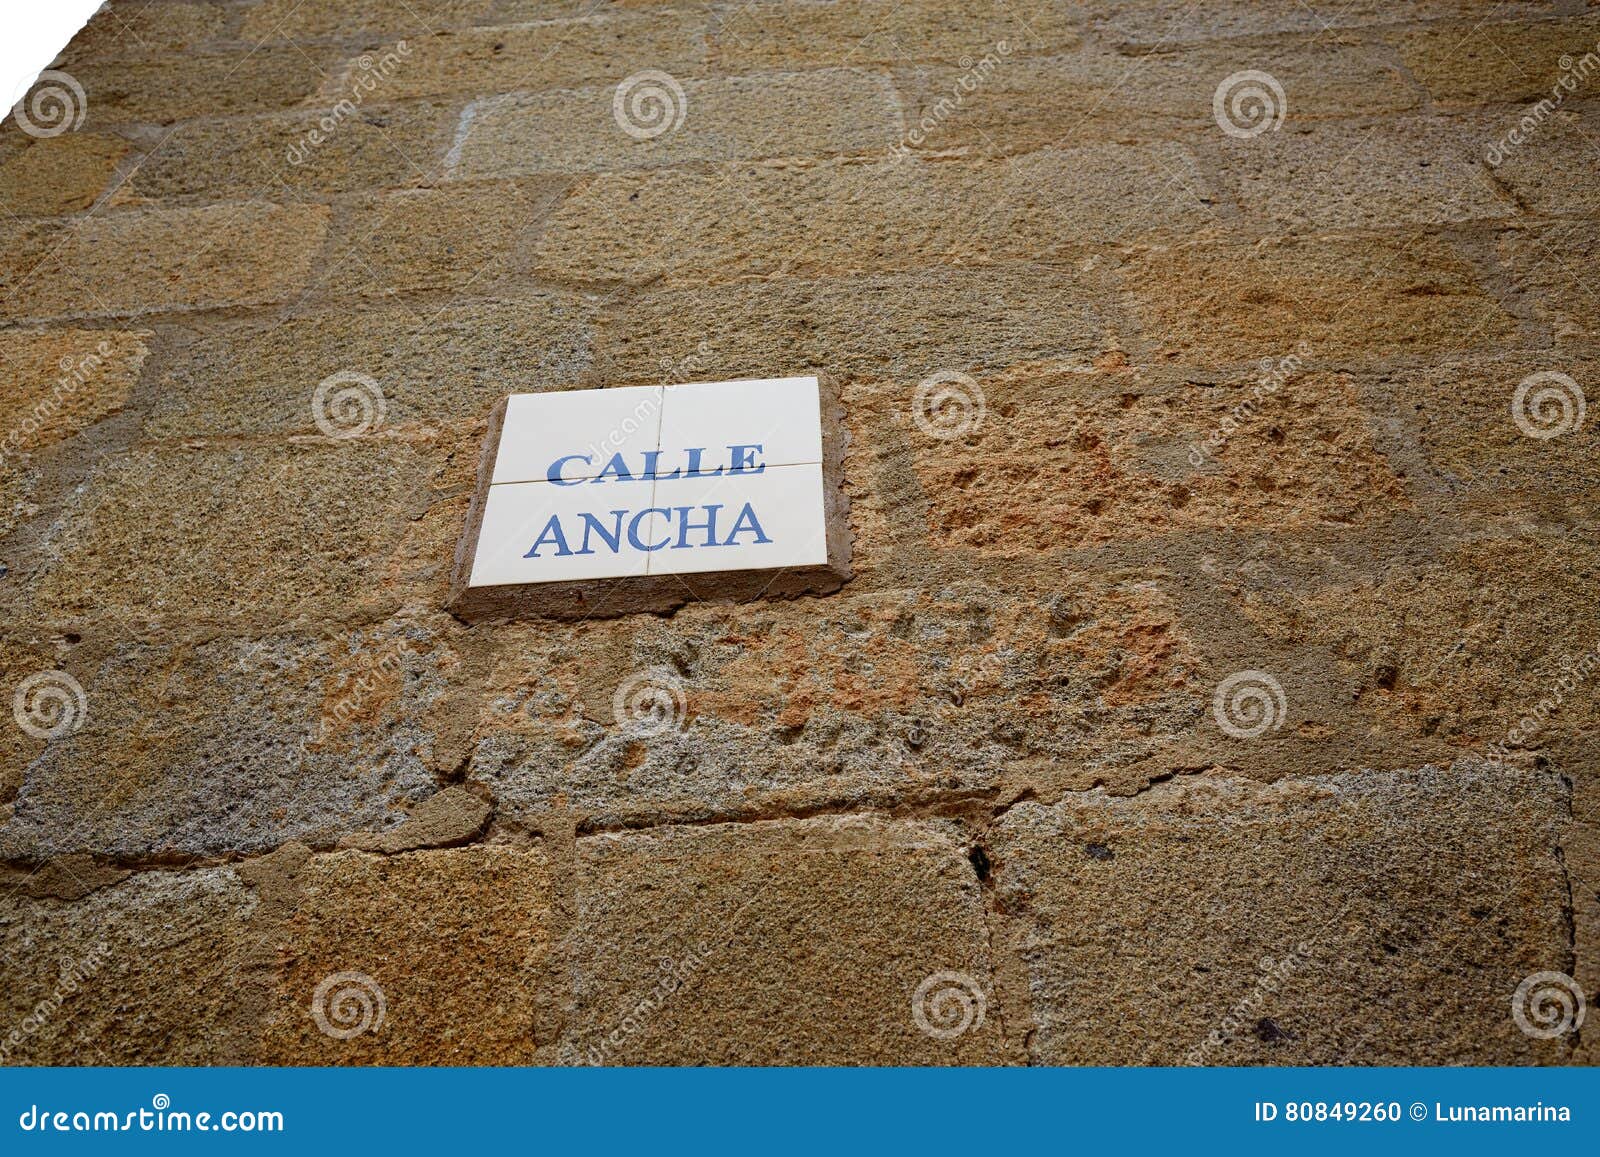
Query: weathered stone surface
x=454, y=944
x=909, y=324
x=1480, y=446
x=553, y=54
x=59, y=382
x=1011, y=102
x=269, y=532
x=358, y=19
x=144, y=86
x=138, y=261
x=1300, y=922
x=831, y=111
x=1344, y=298
x=131, y=25
x=452, y=816
x=885, y=700
x=849, y=218
x=145, y=972
x=1421, y=172
x=1534, y=171
x=21, y=661
x=1448, y=656
x=57, y=175
x=685, y=917
x=1285, y=447
x=377, y=147
x=865, y=32
x=241, y=744
x=1548, y=265
x=1497, y=60
x=457, y=238
x=433, y=367
x=1157, y=25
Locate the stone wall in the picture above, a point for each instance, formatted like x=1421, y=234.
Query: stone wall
x=1218, y=681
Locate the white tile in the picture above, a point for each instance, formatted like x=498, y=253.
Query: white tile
x=595, y=425
x=517, y=519
x=780, y=415
x=783, y=502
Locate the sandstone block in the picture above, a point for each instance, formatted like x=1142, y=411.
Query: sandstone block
x=850, y=218
x=145, y=972
x=1153, y=25
x=867, y=32
x=830, y=111
x=595, y=50
x=1495, y=60
x=1344, y=298
x=352, y=19
x=376, y=147
x=674, y=925
x=909, y=324
x=57, y=175
x=139, y=261
x=454, y=238
x=1546, y=265
x=239, y=744
x=1220, y=921
x=63, y=381
x=441, y=955
x=1415, y=172
x=131, y=25
x=151, y=86
x=876, y=700
x=444, y=367
x=1063, y=459
x=271, y=531
x=1014, y=103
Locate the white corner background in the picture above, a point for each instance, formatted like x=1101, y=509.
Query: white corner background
x=32, y=34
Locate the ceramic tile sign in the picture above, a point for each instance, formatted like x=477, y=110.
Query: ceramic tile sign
x=607, y=501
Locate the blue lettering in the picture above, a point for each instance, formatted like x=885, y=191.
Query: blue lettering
x=747, y=515
x=613, y=540
x=651, y=457
x=616, y=467
x=554, y=473
x=552, y=532
x=694, y=470
x=633, y=529
x=685, y=526
x=744, y=460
